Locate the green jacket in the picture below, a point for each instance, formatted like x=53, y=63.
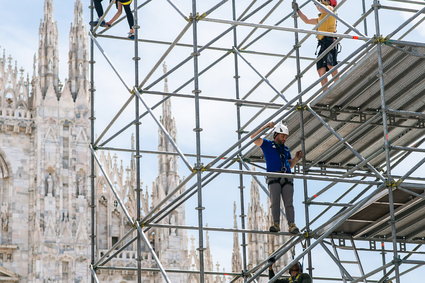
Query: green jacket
x=300, y=278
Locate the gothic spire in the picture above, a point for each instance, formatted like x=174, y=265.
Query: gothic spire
x=167, y=163
x=78, y=55
x=236, y=255
x=48, y=59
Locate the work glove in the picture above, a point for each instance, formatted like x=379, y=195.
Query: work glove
x=295, y=6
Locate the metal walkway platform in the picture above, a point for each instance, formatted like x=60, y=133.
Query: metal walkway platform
x=371, y=221
x=352, y=107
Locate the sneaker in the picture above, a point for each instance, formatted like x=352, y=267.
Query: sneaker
x=293, y=229
x=274, y=228
x=102, y=24
x=130, y=35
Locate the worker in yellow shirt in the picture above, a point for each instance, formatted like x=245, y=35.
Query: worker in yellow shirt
x=329, y=25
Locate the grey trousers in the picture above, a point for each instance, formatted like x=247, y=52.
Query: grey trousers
x=285, y=190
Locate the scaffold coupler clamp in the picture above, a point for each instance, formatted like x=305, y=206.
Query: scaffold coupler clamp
x=197, y=17
x=392, y=183
x=308, y=234
x=199, y=167
x=380, y=39
x=397, y=261
x=301, y=107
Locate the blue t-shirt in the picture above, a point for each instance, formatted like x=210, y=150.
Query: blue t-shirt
x=277, y=156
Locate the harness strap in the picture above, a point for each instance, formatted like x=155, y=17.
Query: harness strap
x=296, y=278
x=126, y=2
x=277, y=181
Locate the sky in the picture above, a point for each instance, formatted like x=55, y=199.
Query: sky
x=159, y=21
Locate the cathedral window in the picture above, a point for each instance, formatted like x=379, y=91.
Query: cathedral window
x=65, y=270
x=65, y=144
x=114, y=240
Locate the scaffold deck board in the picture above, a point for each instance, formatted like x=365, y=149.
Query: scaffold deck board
x=372, y=221
x=352, y=107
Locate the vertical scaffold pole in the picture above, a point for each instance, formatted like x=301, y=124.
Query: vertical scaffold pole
x=198, y=130
x=92, y=162
x=364, y=21
x=301, y=110
x=136, y=59
x=384, y=109
x=239, y=133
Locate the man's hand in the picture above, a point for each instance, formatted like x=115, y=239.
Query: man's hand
x=270, y=125
x=295, y=6
x=299, y=155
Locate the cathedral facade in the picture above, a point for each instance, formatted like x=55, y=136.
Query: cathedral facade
x=44, y=180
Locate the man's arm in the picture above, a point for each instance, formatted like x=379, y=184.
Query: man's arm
x=259, y=141
x=116, y=16
x=304, y=17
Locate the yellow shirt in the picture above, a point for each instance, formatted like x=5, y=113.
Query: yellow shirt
x=329, y=25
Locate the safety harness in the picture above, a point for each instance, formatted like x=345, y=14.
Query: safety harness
x=296, y=278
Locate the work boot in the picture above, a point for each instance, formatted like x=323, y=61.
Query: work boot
x=293, y=229
x=274, y=228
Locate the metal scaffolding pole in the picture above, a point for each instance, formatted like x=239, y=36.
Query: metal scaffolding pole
x=198, y=129
x=303, y=147
x=92, y=162
x=386, y=141
x=138, y=189
x=239, y=136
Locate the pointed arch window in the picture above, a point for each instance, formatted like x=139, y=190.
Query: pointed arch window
x=4, y=201
x=65, y=145
x=4, y=171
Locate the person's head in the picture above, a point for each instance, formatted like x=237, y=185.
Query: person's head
x=295, y=269
x=280, y=133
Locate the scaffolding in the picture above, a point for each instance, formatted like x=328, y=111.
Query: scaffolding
x=355, y=132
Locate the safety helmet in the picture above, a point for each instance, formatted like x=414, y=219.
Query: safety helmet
x=281, y=129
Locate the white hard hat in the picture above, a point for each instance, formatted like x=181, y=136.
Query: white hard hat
x=281, y=129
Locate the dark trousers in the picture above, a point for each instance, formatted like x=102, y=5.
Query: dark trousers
x=99, y=10
x=281, y=188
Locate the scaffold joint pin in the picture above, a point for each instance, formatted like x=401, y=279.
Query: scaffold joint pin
x=307, y=235
x=380, y=39
x=200, y=17
x=392, y=183
x=301, y=107
x=199, y=168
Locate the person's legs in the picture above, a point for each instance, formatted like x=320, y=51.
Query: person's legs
x=321, y=72
x=275, y=189
x=130, y=18
x=287, y=197
x=98, y=7
x=331, y=60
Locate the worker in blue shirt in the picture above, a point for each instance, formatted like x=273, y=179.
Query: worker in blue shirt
x=278, y=159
